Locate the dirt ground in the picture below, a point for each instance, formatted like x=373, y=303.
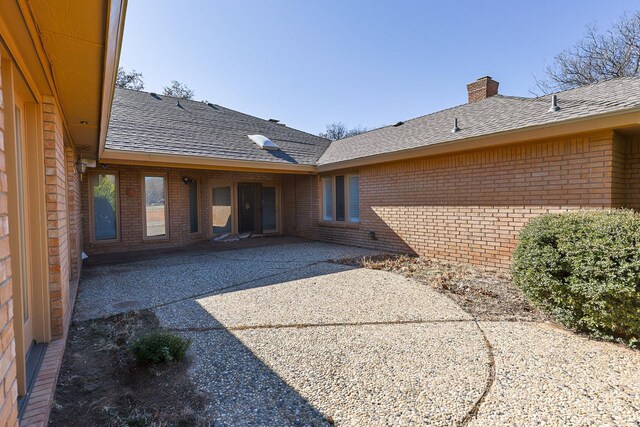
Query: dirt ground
x=487, y=294
x=101, y=384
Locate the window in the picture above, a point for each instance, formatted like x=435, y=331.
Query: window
x=221, y=209
x=327, y=198
x=354, y=198
x=269, y=210
x=193, y=206
x=340, y=198
x=340, y=202
x=104, y=206
x=155, y=206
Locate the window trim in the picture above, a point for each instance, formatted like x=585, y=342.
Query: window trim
x=347, y=202
x=92, y=228
x=166, y=235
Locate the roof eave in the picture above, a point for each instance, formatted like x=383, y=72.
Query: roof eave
x=198, y=162
x=113, y=46
x=618, y=119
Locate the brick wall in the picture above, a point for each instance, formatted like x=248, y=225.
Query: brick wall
x=8, y=384
x=74, y=204
x=632, y=173
x=131, y=206
x=470, y=206
x=57, y=231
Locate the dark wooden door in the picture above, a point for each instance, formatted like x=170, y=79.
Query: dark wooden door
x=249, y=208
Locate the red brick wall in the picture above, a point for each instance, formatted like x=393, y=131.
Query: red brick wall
x=632, y=173
x=8, y=384
x=57, y=231
x=131, y=206
x=470, y=206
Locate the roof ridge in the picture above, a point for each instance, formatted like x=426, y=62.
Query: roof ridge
x=573, y=89
x=440, y=111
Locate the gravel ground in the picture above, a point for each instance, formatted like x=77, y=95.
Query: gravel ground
x=549, y=376
x=283, y=337
x=321, y=294
x=411, y=374
x=117, y=288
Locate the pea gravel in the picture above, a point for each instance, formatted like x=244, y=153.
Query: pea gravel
x=282, y=337
x=549, y=376
x=417, y=374
x=330, y=294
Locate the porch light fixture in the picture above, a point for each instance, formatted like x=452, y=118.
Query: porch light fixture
x=187, y=180
x=82, y=165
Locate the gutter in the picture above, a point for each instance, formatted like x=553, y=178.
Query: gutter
x=117, y=11
x=123, y=157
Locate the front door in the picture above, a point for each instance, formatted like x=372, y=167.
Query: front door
x=249, y=208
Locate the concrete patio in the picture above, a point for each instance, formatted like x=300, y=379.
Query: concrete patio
x=282, y=336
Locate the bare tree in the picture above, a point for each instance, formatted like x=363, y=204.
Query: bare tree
x=129, y=79
x=178, y=90
x=598, y=57
x=338, y=130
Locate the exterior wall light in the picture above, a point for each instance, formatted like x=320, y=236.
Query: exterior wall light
x=83, y=164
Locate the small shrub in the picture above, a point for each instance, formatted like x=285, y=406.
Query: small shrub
x=159, y=347
x=584, y=268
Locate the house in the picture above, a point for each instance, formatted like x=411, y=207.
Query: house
x=86, y=167
x=58, y=63
x=456, y=184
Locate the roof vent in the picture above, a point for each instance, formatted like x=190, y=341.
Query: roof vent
x=455, y=126
x=274, y=120
x=398, y=124
x=156, y=96
x=263, y=142
x=554, y=104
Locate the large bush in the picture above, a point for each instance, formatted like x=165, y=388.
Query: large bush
x=584, y=268
x=160, y=346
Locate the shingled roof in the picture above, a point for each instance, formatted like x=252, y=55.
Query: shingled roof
x=489, y=116
x=143, y=122
x=148, y=123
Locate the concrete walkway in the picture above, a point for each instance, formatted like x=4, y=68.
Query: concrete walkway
x=281, y=336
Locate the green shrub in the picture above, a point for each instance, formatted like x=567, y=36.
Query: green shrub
x=584, y=268
x=159, y=346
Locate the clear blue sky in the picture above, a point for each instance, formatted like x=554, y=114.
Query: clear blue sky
x=368, y=63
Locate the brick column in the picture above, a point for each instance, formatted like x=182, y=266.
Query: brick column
x=8, y=384
x=75, y=212
x=55, y=180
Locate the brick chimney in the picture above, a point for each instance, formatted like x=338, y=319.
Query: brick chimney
x=482, y=88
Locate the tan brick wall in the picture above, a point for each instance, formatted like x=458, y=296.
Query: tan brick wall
x=470, y=206
x=131, y=206
x=8, y=384
x=57, y=231
x=74, y=204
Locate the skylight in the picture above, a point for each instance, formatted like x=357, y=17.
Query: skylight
x=263, y=142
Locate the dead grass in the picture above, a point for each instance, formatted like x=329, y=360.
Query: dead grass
x=101, y=384
x=485, y=293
